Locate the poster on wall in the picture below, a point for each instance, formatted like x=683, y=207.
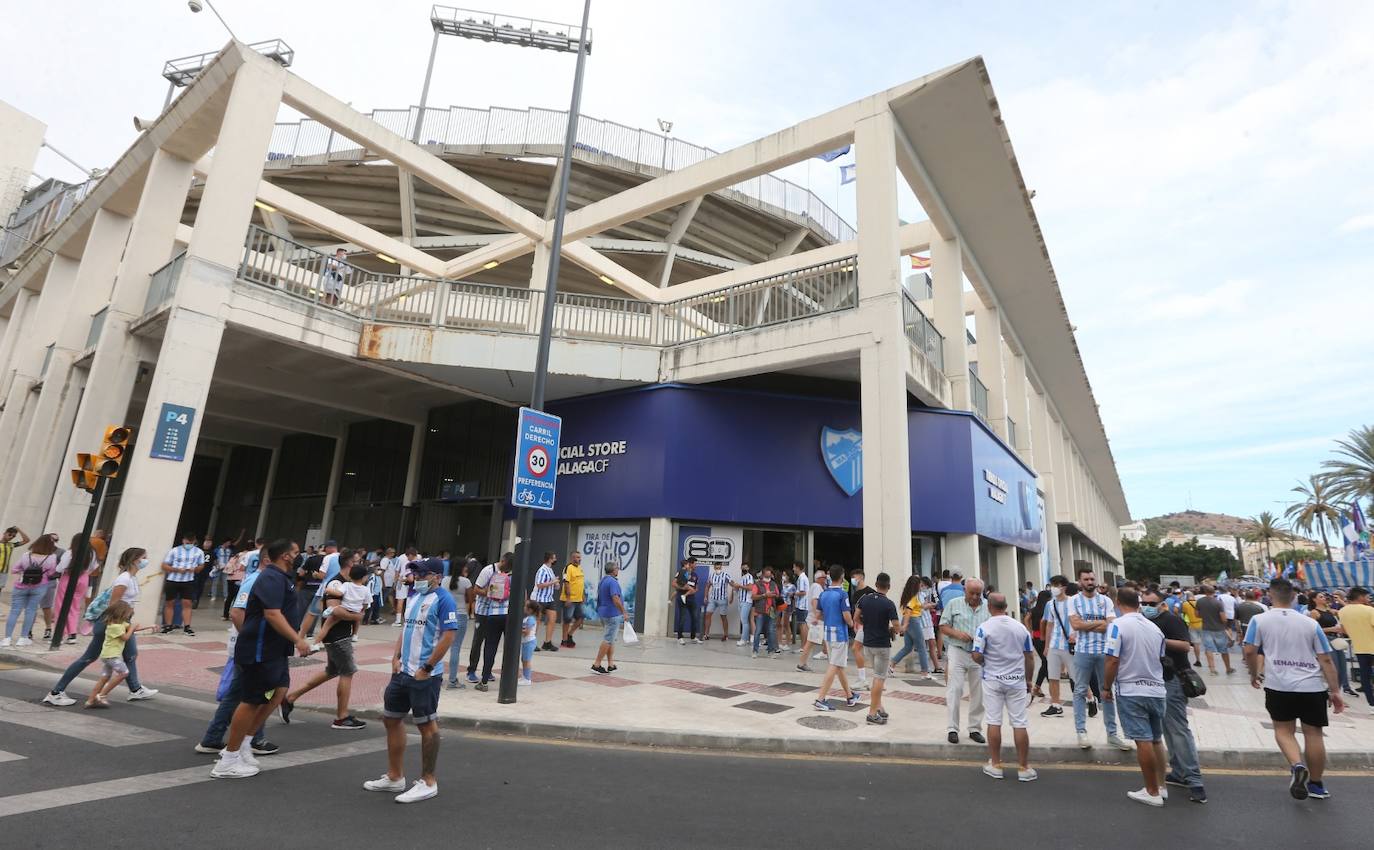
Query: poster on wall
x=710, y=545
x=601, y=544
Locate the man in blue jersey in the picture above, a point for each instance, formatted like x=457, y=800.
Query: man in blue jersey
x=265, y=615
x=417, y=674
x=837, y=624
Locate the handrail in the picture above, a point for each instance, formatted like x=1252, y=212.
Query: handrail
x=978, y=393
x=921, y=331
x=163, y=282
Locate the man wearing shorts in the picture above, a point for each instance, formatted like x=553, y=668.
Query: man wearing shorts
x=338, y=648
x=1298, y=680
x=1134, y=665
x=717, y=601
x=1003, y=648
x=1059, y=642
x=574, y=592
x=417, y=674
x=801, y=605
x=265, y=613
x=837, y=624
x=877, y=618
x=1215, y=623
x=179, y=582
x=610, y=608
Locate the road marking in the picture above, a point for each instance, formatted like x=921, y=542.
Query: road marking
x=37, y=801
x=84, y=726
x=4, y=756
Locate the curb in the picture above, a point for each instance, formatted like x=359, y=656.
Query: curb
x=668, y=738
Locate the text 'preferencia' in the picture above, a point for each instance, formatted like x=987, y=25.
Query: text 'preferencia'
x=588, y=457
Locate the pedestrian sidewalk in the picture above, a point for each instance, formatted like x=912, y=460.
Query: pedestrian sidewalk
x=714, y=695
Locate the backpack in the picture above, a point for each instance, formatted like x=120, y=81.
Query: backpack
x=499, y=588
x=96, y=609
x=33, y=572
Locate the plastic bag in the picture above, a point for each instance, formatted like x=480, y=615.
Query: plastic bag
x=629, y=633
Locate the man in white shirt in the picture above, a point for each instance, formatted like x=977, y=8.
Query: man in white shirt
x=1298, y=680
x=1135, y=647
x=1003, y=648
x=1090, y=615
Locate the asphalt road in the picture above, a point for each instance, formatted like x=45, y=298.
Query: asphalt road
x=58, y=786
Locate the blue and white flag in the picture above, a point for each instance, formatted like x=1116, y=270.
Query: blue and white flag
x=847, y=174
x=1350, y=537
x=831, y=156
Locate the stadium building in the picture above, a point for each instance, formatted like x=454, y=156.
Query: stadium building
x=741, y=373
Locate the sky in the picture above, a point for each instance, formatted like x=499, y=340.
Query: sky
x=1203, y=172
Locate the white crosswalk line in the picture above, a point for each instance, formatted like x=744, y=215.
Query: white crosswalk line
x=4, y=756
x=78, y=723
x=37, y=801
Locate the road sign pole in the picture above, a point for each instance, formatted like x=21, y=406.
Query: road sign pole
x=78, y=564
x=510, y=654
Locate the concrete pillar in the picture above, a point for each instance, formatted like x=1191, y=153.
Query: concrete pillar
x=331, y=495
x=30, y=350
x=1066, y=555
x=14, y=331
x=195, y=321
x=1006, y=576
x=659, y=569
x=1043, y=457
x=35, y=468
x=987, y=327
x=1018, y=406
x=114, y=368
x=211, y=530
x=264, y=510
x=886, y=489
x=961, y=553
x=947, y=280
x=539, y=278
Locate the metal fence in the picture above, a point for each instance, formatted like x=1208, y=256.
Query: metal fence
x=540, y=132
x=37, y=218
x=978, y=392
x=1011, y=432
x=163, y=282
x=97, y=326
x=922, y=333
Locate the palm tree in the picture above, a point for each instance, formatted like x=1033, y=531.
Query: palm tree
x=1264, y=528
x=1316, y=508
x=1351, y=472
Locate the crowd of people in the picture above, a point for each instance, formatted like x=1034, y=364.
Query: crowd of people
x=1131, y=654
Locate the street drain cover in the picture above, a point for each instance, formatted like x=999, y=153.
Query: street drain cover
x=827, y=724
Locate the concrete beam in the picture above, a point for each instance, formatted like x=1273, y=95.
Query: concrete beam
x=620, y=277
x=789, y=243
x=269, y=381
x=503, y=250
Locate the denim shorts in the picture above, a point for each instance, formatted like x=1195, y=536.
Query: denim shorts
x=404, y=694
x=713, y=607
x=527, y=650
x=1142, y=718
x=572, y=611
x=613, y=627
x=1215, y=642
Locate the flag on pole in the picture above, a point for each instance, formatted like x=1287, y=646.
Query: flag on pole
x=847, y=174
x=918, y=262
x=1291, y=571
x=1361, y=528
x=1350, y=538
x=831, y=156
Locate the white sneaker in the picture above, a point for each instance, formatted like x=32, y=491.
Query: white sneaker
x=143, y=693
x=737, y=643
x=354, y=638
x=522, y=681
x=385, y=783
x=398, y=624
x=1083, y=742
x=1027, y=775
x=232, y=767
x=246, y=753
x=1143, y=796
x=696, y=640
x=316, y=647
x=818, y=656
x=419, y=791
x=992, y=770
x=1120, y=743
x=9, y=642
x=59, y=699
x=23, y=642
x=681, y=642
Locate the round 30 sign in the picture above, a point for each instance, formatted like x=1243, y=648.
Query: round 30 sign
x=537, y=461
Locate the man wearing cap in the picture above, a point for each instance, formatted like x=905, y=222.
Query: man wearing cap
x=417, y=674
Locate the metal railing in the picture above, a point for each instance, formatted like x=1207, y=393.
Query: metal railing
x=540, y=132
x=1011, y=432
x=47, y=361
x=978, y=393
x=163, y=282
x=922, y=333
x=800, y=294
x=97, y=325
x=301, y=272
x=37, y=218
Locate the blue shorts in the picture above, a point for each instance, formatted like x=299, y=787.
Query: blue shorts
x=527, y=650
x=316, y=606
x=572, y=611
x=403, y=694
x=1142, y=718
x=1215, y=642
x=613, y=627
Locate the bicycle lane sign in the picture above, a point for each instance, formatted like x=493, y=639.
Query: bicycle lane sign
x=536, y=460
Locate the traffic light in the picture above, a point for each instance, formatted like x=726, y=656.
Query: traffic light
x=85, y=476
x=114, y=449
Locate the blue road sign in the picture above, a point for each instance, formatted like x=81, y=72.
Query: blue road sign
x=536, y=460
x=173, y=432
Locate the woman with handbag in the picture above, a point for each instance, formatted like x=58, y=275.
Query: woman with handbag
x=1325, y=615
x=33, y=572
x=124, y=588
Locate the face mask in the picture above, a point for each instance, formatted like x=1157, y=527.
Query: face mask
x=140, y=563
x=1056, y=592
x=1150, y=611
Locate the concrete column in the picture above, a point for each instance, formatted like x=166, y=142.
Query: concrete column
x=987, y=327
x=265, y=509
x=35, y=467
x=1006, y=577
x=30, y=350
x=1018, y=407
x=656, y=579
x=210, y=527
x=947, y=280
x=1066, y=557
x=1043, y=457
x=331, y=495
x=886, y=489
x=114, y=368
x=961, y=553
x=539, y=278
x=195, y=322
x=14, y=330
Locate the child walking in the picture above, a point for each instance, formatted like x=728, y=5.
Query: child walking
x=113, y=670
x=533, y=611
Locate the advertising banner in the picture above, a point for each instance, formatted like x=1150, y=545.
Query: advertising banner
x=600, y=544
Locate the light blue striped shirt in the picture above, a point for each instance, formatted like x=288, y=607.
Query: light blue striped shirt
x=183, y=557
x=544, y=595
x=1099, y=607
x=720, y=586
x=1057, y=615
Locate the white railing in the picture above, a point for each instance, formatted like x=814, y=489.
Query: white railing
x=36, y=219
x=540, y=132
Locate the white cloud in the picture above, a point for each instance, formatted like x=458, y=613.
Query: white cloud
x=1357, y=223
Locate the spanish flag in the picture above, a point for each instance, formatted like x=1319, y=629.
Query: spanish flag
x=919, y=262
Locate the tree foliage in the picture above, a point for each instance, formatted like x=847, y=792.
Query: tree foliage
x=1146, y=560
x=1295, y=555
x=1350, y=475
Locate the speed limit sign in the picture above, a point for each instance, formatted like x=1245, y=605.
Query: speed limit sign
x=536, y=451
x=537, y=461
